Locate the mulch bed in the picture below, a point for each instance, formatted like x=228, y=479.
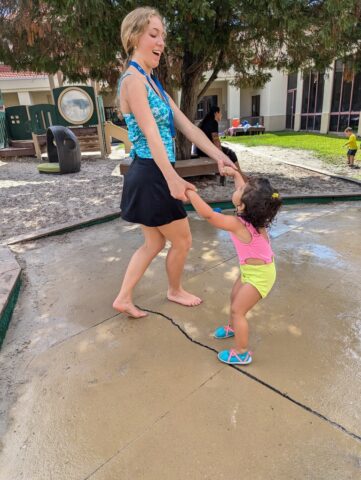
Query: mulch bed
x=31, y=201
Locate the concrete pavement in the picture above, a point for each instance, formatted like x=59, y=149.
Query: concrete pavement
x=90, y=394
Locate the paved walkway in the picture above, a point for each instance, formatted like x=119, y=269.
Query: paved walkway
x=94, y=395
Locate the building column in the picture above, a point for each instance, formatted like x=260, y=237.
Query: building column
x=327, y=99
x=51, y=82
x=233, y=102
x=298, y=109
x=60, y=78
x=24, y=98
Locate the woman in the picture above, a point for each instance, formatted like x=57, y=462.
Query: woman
x=153, y=191
x=209, y=125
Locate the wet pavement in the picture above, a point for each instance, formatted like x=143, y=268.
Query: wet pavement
x=90, y=394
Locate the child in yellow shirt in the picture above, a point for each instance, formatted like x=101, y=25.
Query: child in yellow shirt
x=352, y=147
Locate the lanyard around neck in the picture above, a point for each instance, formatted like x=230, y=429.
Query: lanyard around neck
x=161, y=90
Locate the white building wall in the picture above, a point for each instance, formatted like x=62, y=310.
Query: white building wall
x=273, y=102
x=233, y=101
x=245, y=97
x=41, y=97
x=11, y=99
x=224, y=93
x=27, y=90
x=228, y=96
x=273, y=97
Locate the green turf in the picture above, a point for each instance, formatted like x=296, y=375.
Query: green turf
x=328, y=147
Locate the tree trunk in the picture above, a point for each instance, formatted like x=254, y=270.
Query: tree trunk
x=189, y=100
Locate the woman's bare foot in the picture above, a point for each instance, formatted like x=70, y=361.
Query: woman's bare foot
x=129, y=308
x=184, y=298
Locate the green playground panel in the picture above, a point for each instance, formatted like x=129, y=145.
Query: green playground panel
x=42, y=116
x=90, y=91
x=18, y=122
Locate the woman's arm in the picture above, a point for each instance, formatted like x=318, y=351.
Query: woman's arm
x=136, y=96
x=218, y=220
x=196, y=136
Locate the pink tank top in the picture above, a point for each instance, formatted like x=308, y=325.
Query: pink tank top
x=258, y=247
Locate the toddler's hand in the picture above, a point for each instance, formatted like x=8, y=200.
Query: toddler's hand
x=229, y=172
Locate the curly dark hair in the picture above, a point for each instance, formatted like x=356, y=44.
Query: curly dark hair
x=261, y=202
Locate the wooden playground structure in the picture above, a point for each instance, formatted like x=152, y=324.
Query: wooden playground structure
x=23, y=129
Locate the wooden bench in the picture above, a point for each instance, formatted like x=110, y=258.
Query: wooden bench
x=236, y=131
x=185, y=168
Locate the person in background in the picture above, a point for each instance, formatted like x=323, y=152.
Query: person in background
x=352, y=148
x=209, y=125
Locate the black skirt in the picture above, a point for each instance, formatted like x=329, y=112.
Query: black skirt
x=146, y=198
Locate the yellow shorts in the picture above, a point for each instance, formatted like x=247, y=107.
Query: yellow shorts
x=262, y=277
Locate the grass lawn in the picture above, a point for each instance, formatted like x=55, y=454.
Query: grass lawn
x=327, y=147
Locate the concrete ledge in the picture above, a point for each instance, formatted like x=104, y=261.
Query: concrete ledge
x=9, y=288
x=64, y=228
x=323, y=172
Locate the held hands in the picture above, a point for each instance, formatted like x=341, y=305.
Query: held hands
x=178, y=187
x=191, y=193
x=229, y=172
x=223, y=162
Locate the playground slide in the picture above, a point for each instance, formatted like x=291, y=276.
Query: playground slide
x=119, y=133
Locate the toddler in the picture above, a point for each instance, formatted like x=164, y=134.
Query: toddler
x=257, y=204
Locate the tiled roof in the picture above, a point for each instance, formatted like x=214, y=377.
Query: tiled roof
x=7, y=73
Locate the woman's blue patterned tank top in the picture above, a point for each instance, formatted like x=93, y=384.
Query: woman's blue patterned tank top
x=160, y=112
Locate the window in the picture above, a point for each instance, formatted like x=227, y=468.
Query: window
x=346, y=99
x=291, y=100
x=312, y=100
x=292, y=81
x=256, y=102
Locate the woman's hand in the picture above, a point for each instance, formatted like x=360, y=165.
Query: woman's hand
x=178, y=187
x=224, y=161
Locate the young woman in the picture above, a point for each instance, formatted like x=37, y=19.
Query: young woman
x=153, y=191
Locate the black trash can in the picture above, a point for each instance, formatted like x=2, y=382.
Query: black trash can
x=63, y=148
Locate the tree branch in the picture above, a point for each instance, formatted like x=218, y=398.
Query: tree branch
x=214, y=75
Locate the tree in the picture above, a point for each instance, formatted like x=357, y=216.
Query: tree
x=80, y=39
x=251, y=36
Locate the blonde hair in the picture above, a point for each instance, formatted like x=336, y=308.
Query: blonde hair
x=134, y=24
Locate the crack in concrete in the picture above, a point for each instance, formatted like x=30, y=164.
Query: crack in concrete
x=261, y=382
